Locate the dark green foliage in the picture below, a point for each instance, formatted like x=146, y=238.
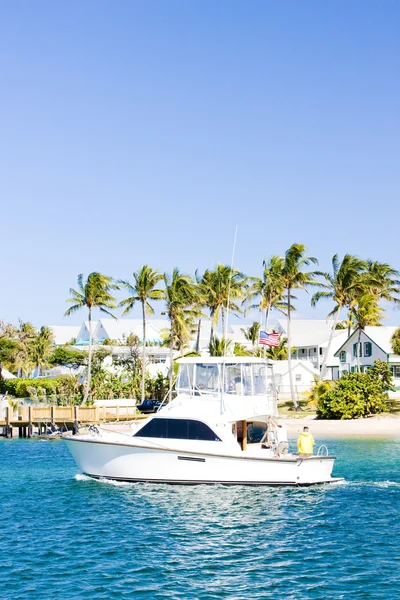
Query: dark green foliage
x=67, y=357
x=19, y=387
x=9, y=349
x=357, y=394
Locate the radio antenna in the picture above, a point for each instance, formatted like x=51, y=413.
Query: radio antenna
x=224, y=333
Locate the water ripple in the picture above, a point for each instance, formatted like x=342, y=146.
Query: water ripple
x=65, y=535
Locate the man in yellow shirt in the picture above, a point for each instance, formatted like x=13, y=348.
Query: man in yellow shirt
x=305, y=443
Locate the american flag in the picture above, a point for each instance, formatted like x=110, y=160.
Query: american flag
x=269, y=339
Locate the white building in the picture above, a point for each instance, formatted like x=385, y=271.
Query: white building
x=310, y=339
x=375, y=344
x=303, y=372
x=63, y=334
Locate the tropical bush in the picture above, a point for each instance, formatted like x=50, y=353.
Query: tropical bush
x=396, y=341
x=357, y=394
x=62, y=389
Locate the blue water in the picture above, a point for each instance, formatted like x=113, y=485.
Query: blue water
x=66, y=536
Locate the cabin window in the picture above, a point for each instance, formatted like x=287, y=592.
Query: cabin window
x=357, y=347
x=206, y=378
x=259, y=380
x=178, y=429
x=342, y=356
x=185, y=379
x=238, y=379
x=367, y=349
x=255, y=431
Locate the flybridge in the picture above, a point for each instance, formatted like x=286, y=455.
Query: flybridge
x=234, y=378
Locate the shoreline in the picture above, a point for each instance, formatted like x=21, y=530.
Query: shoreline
x=376, y=426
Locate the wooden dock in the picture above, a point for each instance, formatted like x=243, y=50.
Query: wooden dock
x=43, y=418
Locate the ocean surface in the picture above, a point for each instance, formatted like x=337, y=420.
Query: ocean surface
x=66, y=536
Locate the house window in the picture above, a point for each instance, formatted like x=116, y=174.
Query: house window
x=342, y=356
x=367, y=349
x=298, y=378
x=302, y=351
x=355, y=353
x=178, y=429
x=320, y=351
x=396, y=372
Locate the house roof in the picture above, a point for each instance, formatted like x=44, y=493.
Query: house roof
x=118, y=329
x=64, y=333
x=7, y=375
x=308, y=332
x=281, y=367
x=381, y=336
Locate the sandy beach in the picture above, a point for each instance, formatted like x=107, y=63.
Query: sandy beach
x=377, y=426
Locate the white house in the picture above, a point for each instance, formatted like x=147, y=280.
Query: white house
x=310, y=339
x=83, y=335
x=63, y=334
x=375, y=344
x=304, y=374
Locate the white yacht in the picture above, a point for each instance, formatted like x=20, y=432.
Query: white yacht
x=214, y=431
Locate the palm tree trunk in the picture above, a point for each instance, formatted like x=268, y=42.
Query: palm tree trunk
x=89, y=359
x=358, y=349
x=171, y=359
x=212, y=326
x=144, y=349
x=267, y=318
x=198, y=336
x=289, y=343
x=223, y=321
x=323, y=367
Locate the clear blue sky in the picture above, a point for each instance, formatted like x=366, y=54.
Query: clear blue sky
x=143, y=132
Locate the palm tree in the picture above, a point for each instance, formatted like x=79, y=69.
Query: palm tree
x=40, y=348
x=142, y=290
x=366, y=312
x=94, y=293
x=295, y=278
x=270, y=288
x=279, y=352
x=252, y=333
x=383, y=281
x=220, y=346
x=180, y=294
x=343, y=284
x=218, y=290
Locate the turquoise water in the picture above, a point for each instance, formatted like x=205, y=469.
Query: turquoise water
x=65, y=536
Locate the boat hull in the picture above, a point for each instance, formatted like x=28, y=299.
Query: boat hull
x=125, y=462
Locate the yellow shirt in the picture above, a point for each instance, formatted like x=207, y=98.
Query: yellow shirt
x=305, y=443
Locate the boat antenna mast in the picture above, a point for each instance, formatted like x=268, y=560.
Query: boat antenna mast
x=225, y=332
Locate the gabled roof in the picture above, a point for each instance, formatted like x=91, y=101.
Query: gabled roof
x=64, y=333
x=281, y=367
x=119, y=329
x=308, y=332
x=6, y=374
x=380, y=336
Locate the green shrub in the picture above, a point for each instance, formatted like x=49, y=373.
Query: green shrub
x=396, y=341
x=25, y=388
x=357, y=394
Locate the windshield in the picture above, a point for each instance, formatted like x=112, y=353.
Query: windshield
x=240, y=379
